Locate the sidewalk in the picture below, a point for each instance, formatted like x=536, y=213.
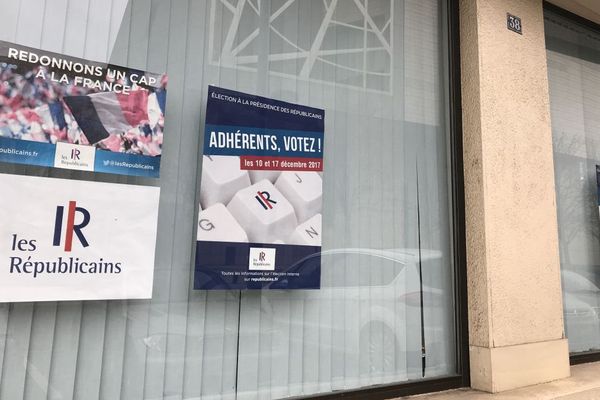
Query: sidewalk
x=584, y=384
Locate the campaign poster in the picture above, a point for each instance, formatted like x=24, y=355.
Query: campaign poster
x=65, y=112
x=259, y=221
x=64, y=239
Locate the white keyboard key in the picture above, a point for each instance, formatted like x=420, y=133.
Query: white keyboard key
x=257, y=176
x=263, y=212
x=216, y=224
x=303, y=190
x=308, y=233
x=221, y=179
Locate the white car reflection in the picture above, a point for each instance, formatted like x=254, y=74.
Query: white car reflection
x=362, y=327
x=378, y=296
x=582, y=311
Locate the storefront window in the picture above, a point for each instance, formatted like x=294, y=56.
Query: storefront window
x=385, y=312
x=574, y=79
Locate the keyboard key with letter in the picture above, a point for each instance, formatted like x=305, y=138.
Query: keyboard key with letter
x=221, y=179
x=308, y=233
x=303, y=190
x=263, y=212
x=216, y=224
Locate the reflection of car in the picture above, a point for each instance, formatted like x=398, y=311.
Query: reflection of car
x=375, y=298
x=362, y=327
x=582, y=311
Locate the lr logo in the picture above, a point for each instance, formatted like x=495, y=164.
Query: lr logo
x=71, y=227
x=75, y=154
x=261, y=259
x=264, y=199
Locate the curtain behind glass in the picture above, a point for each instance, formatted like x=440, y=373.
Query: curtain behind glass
x=574, y=80
x=377, y=68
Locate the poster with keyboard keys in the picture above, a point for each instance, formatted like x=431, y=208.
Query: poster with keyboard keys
x=260, y=206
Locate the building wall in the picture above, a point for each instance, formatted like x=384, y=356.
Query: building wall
x=515, y=308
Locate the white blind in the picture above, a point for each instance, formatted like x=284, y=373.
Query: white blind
x=377, y=68
x=574, y=82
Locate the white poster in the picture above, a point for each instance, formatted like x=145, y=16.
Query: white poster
x=75, y=240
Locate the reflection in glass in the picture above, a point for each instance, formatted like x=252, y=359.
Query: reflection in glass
x=378, y=68
x=574, y=81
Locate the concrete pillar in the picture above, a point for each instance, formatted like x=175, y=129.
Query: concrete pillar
x=516, y=333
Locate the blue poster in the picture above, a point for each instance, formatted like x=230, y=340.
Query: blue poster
x=65, y=112
x=259, y=220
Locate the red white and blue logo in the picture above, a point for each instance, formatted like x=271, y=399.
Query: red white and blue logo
x=71, y=227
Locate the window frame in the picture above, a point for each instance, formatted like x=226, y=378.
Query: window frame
x=588, y=356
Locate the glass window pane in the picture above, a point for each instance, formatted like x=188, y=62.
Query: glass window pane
x=385, y=312
x=574, y=80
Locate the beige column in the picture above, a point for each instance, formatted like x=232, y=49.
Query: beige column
x=516, y=333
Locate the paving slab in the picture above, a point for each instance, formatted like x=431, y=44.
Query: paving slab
x=584, y=384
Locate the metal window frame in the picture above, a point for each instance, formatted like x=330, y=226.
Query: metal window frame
x=590, y=356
